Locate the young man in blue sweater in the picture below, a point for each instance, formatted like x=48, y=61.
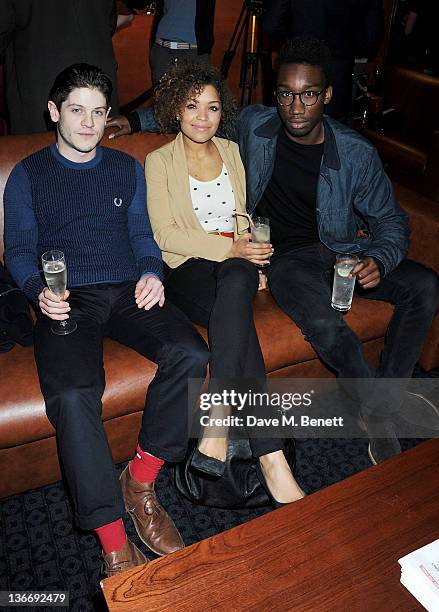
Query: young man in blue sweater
x=90, y=202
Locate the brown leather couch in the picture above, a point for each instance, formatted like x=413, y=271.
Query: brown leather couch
x=28, y=455
x=409, y=141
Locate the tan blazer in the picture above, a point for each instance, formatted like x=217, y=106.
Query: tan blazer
x=176, y=228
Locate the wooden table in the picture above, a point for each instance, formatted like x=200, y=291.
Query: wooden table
x=335, y=550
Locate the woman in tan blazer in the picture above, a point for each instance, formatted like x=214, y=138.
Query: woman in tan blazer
x=196, y=185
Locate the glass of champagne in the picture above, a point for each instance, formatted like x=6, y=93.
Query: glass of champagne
x=55, y=272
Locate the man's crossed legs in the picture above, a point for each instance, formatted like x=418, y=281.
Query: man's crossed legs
x=72, y=381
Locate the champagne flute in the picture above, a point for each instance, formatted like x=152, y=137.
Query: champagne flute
x=55, y=272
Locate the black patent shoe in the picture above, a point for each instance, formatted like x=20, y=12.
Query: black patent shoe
x=383, y=441
x=260, y=475
x=207, y=465
x=419, y=411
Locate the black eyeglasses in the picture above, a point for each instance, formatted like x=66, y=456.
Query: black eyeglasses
x=308, y=98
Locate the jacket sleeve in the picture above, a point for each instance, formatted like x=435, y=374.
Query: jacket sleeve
x=388, y=223
x=7, y=24
x=145, y=120
x=112, y=16
x=170, y=237
x=370, y=32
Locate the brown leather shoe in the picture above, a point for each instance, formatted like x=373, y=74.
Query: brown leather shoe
x=124, y=559
x=154, y=526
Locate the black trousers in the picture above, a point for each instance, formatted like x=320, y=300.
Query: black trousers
x=72, y=380
x=300, y=282
x=219, y=296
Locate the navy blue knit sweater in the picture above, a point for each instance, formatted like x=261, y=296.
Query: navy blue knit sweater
x=95, y=212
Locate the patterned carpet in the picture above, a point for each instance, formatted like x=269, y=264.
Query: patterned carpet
x=40, y=549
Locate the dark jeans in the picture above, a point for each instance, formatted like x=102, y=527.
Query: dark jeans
x=72, y=380
x=300, y=282
x=219, y=296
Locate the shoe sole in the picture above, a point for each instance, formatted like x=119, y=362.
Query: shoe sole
x=429, y=403
x=361, y=424
x=371, y=457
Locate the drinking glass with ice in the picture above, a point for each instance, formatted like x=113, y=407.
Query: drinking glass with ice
x=344, y=282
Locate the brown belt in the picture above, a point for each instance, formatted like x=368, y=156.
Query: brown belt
x=227, y=234
x=171, y=44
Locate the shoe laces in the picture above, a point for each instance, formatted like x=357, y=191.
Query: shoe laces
x=149, y=503
x=109, y=569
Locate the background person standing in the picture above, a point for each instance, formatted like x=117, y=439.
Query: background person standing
x=184, y=31
x=350, y=28
x=38, y=39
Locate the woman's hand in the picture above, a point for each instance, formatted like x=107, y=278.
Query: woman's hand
x=258, y=253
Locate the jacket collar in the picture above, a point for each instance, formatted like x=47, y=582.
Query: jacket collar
x=181, y=172
x=270, y=129
x=330, y=150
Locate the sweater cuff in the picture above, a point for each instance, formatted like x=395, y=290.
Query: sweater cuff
x=32, y=288
x=134, y=121
x=151, y=265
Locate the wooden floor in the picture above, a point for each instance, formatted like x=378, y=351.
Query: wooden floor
x=334, y=551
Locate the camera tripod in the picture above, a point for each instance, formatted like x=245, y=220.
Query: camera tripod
x=248, y=28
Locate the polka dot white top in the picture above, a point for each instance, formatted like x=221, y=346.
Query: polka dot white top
x=214, y=202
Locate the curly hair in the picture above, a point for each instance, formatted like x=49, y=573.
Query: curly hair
x=306, y=49
x=183, y=81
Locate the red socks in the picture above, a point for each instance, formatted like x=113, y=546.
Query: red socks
x=112, y=536
x=145, y=467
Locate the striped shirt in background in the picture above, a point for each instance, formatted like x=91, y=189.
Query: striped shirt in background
x=178, y=21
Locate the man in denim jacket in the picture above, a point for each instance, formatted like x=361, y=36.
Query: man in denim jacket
x=324, y=189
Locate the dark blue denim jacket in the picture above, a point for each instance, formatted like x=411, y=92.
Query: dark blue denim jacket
x=356, y=207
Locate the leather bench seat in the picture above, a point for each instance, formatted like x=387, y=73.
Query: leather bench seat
x=28, y=453
x=22, y=414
